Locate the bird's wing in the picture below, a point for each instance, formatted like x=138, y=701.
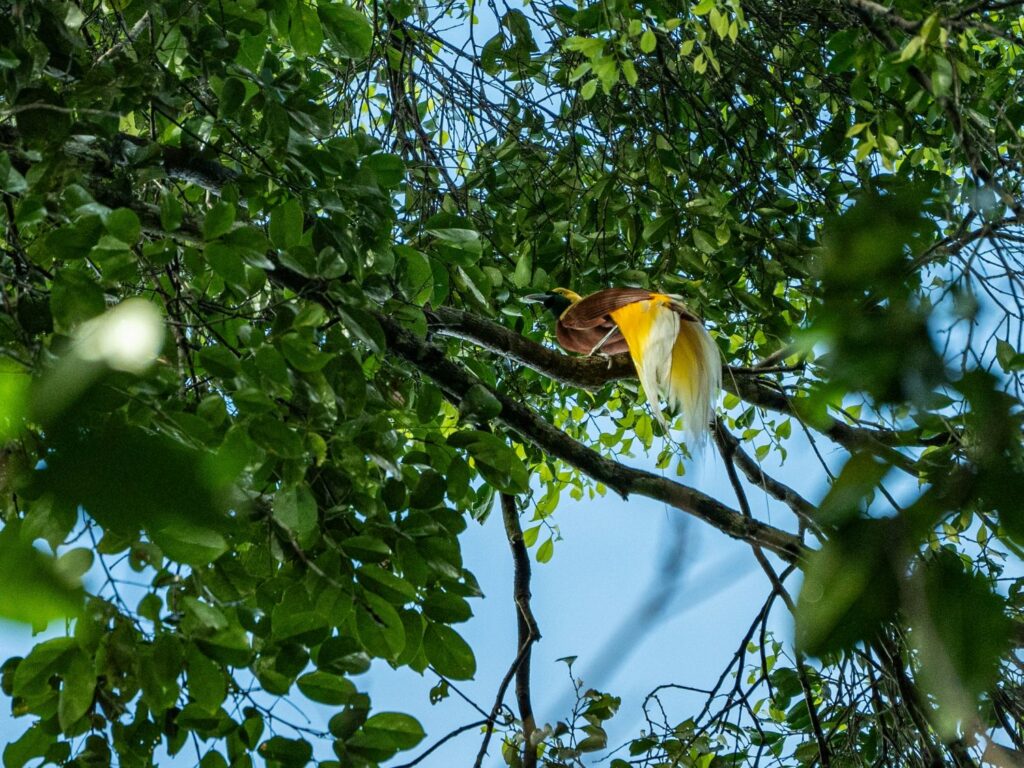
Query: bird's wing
x=594, y=310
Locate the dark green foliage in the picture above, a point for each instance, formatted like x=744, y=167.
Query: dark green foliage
x=284, y=184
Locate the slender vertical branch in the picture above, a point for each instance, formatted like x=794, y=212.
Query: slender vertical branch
x=528, y=634
x=526, y=623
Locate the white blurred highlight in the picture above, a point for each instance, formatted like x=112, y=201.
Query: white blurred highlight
x=126, y=338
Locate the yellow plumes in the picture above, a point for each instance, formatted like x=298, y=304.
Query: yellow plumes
x=674, y=358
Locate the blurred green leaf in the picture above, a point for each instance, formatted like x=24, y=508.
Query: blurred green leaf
x=850, y=587
x=35, y=589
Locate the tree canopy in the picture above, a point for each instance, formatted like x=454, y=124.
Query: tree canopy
x=262, y=339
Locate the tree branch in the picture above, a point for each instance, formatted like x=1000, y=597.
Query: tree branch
x=756, y=475
x=455, y=381
x=594, y=372
x=526, y=623
x=955, y=24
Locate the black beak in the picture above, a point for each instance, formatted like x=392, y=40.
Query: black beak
x=536, y=298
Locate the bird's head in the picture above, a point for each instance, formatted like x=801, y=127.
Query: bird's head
x=557, y=300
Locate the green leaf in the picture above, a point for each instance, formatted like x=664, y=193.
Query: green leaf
x=589, y=89
x=498, y=463
x=326, y=688
x=446, y=607
x=545, y=551
x=75, y=298
x=467, y=240
x=417, y=275
x=479, y=404
x=219, y=361
x=124, y=224
x=78, y=686
x=286, y=225
x=349, y=30
x=171, y=211
x=295, y=509
x=47, y=659
x=448, y=653
x=302, y=354
x=856, y=482
x=11, y=181
x=1009, y=359
x=403, y=731
x=218, y=220
x=648, y=41
x=365, y=327
x=629, y=71
x=389, y=169
x=392, y=588
x=207, y=684
x=14, y=391
x=379, y=627
x=306, y=34
x=290, y=753
x=189, y=544
x=366, y=548
x=35, y=588
x=523, y=274
x=31, y=744
x=961, y=633
x=850, y=587
x=429, y=491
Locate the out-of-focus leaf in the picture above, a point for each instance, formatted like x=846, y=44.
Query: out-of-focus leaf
x=35, y=588
x=127, y=479
x=850, y=587
x=961, y=631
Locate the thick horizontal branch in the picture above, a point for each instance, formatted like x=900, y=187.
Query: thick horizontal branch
x=180, y=163
x=456, y=382
x=593, y=372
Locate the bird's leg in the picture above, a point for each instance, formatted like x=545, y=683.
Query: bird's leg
x=602, y=342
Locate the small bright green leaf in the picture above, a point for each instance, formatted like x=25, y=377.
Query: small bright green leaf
x=545, y=551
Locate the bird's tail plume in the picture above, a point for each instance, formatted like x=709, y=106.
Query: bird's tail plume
x=675, y=358
x=695, y=379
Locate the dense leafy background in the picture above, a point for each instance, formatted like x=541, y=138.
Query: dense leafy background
x=332, y=212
